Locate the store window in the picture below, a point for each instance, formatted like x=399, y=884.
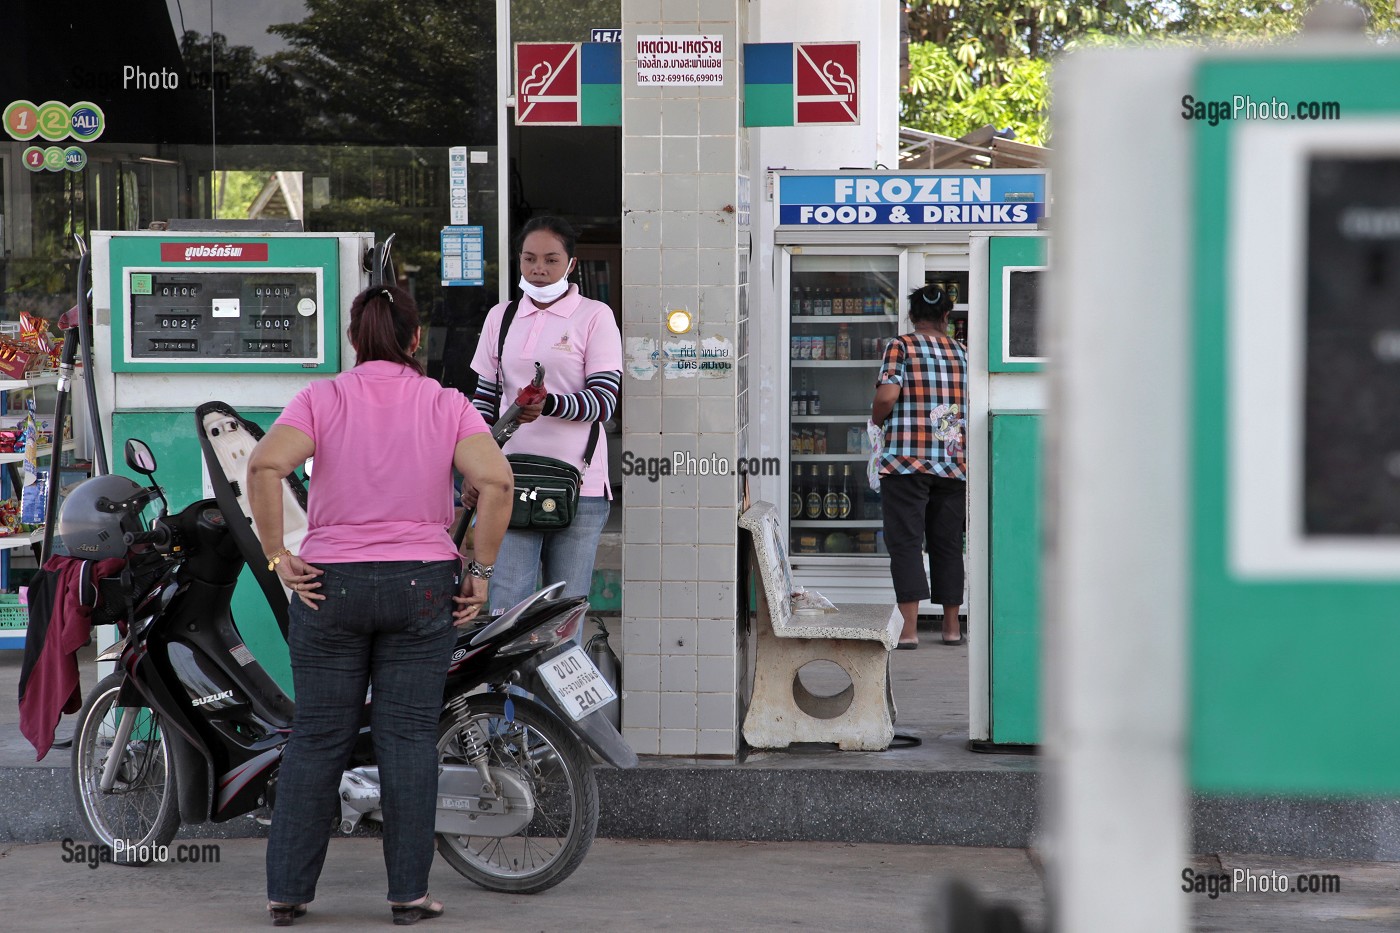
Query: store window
x=340, y=112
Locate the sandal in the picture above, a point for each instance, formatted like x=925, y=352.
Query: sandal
x=283, y=914
x=407, y=914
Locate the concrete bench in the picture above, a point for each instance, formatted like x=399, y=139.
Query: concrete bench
x=858, y=638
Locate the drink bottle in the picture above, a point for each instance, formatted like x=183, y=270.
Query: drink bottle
x=814, y=495
x=843, y=497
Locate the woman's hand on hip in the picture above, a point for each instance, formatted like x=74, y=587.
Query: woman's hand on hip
x=300, y=577
x=470, y=600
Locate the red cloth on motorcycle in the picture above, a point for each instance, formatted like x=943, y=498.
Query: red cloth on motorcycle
x=61, y=599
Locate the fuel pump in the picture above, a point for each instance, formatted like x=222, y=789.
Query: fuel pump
x=182, y=318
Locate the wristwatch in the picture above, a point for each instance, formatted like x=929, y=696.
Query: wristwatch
x=480, y=571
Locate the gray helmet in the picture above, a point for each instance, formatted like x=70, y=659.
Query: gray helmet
x=86, y=531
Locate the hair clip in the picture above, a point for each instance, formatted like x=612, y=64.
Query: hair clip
x=387, y=294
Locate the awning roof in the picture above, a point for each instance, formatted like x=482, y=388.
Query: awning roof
x=981, y=148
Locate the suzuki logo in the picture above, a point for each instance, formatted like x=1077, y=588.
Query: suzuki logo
x=200, y=701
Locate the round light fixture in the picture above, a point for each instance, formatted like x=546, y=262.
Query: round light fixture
x=679, y=321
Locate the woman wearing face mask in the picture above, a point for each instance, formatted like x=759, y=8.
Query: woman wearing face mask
x=577, y=341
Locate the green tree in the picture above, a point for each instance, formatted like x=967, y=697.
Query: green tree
x=234, y=193
x=256, y=100
x=945, y=97
x=420, y=72
x=974, y=62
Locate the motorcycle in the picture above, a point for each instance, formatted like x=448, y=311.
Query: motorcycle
x=191, y=728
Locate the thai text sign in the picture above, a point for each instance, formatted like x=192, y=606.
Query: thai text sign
x=680, y=60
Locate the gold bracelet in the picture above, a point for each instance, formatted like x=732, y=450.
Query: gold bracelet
x=276, y=558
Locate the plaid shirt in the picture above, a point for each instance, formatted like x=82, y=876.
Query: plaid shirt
x=924, y=432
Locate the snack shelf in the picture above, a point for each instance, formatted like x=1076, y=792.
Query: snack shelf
x=8, y=542
x=45, y=450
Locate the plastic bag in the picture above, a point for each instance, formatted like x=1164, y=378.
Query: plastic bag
x=877, y=445
x=810, y=601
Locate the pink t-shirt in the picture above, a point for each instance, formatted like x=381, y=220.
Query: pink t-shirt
x=572, y=338
x=381, y=484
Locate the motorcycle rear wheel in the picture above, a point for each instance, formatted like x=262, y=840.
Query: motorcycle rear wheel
x=553, y=762
x=141, y=811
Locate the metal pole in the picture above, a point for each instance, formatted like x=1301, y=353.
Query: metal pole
x=505, y=100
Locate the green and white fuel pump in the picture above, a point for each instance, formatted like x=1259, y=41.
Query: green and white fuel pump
x=1007, y=399
x=1224, y=460
x=183, y=318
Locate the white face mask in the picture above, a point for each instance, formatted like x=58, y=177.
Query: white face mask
x=544, y=294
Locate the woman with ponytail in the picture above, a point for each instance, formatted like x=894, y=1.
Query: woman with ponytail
x=377, y=587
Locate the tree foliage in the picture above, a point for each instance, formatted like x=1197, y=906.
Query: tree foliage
x=952, y=102
x=414, y=70
x=975, y=62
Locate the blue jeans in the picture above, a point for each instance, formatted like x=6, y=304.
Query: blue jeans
x=388, y=623
x=566, y=555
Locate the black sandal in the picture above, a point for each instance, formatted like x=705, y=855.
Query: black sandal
x=407, y=914
x=283, y=914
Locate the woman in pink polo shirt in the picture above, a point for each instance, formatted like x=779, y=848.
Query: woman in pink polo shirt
x=577, y=341
x=375, y=586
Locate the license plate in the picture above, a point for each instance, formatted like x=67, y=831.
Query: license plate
x=576, y=683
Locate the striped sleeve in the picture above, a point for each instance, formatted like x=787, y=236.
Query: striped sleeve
x=596, y=402
x=487, y=399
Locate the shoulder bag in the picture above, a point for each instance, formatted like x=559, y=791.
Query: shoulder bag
x=546, y=489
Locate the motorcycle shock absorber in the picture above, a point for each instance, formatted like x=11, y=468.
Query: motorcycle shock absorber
x=474, y=744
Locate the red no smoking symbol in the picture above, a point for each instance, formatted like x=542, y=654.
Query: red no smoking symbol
x=547, y=83
x=828, y=85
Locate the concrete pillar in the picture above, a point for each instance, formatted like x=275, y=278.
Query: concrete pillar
x=685, y=241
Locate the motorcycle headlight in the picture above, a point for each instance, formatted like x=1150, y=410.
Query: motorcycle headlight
x=550, y=634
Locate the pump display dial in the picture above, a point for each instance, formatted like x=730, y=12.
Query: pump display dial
x=190, y=315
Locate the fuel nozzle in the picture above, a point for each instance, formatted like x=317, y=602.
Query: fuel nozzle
x=533, y=393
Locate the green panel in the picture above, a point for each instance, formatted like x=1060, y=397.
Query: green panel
x=606, y=592
x=769, y=105
x=1014, y=568
x=1007, y=251
x=282, y=253
x=600, y=105
x=174, y=440
x=1293, y=687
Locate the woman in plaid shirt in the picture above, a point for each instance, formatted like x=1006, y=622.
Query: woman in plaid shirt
x=921, y=401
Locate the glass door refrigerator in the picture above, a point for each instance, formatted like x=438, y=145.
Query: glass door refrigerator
x=843, y=305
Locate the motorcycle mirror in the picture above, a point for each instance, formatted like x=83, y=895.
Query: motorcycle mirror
x=140, y=458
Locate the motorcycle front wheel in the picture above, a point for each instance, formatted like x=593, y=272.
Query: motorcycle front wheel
x=140, y=814
x=544, y=754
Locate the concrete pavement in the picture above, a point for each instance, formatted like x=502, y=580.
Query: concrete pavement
x=641, y=886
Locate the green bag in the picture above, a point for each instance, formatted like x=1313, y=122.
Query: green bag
x=546, y=492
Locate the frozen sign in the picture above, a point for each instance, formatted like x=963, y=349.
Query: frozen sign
x=1003, y=199
x=680, y=60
